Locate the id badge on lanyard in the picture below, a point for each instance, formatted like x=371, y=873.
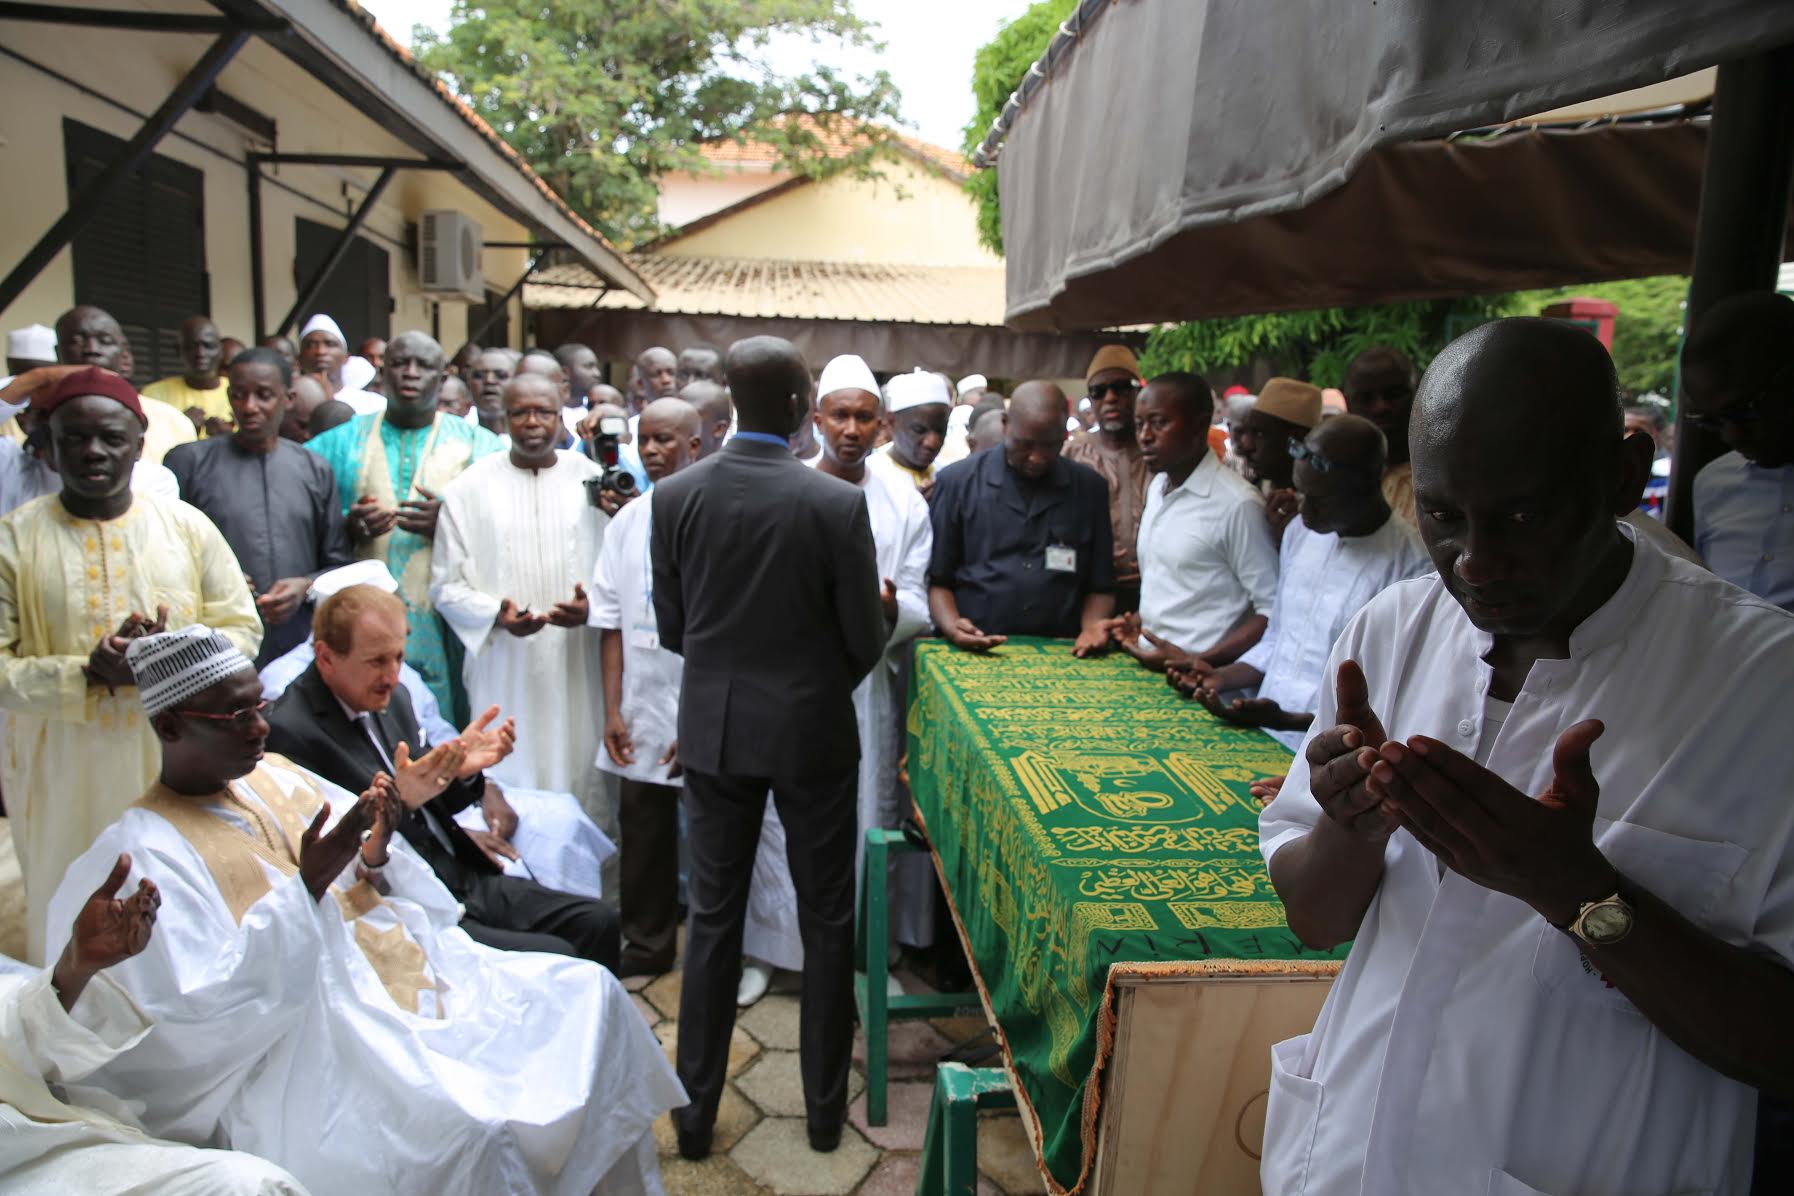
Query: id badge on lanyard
x=1061, y=558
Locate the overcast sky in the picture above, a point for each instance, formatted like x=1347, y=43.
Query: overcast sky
x=928, y=50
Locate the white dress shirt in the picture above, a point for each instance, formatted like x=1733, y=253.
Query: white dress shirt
x=1207, y=559
x=622, y=599
x=1467, y=1046
x=1744, y=525
x=1322, y=581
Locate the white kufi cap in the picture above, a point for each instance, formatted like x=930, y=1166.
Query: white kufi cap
x=972, y=382
x=32, y=343
x=361, y=573
x=357, y=373
x=323, y=323
x=172, y=666
x=846, y=372
x=916, y=389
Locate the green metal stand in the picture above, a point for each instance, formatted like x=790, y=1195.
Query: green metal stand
x=872, y=968
x=950, y=1147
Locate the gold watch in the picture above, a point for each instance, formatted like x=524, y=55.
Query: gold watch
x=1603, y=923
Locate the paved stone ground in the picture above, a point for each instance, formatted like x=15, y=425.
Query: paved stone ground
x=761, y=1147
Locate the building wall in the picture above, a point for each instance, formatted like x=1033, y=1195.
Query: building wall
x=908, y=215
x=687, y=197
x=138, y=70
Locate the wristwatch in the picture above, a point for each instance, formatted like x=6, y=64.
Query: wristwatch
x=1602, y=923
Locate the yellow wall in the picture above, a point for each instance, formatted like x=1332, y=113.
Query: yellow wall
x=138, y=70
x=909, y=216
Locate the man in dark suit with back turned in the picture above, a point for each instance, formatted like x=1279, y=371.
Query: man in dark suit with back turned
x=347, y=717
x=765, y=580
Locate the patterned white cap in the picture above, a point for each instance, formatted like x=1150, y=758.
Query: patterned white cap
x=174, y=665
x=846, y=372
x=916, y=389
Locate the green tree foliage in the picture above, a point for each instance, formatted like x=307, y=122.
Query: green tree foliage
x=996, y=72
x=1647, y=332
x=1317, y=344
x=601, y=97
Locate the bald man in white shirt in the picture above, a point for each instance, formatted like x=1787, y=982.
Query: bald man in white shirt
x=1571, y=937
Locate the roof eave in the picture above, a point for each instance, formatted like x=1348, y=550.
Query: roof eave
x=329, y=41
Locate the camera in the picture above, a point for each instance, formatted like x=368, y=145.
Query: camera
x=606, y=450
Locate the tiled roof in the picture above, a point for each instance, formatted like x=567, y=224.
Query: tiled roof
x=837, y=144
x=794, y=290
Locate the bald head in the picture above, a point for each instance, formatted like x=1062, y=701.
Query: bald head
x=1735, y=372
x=88, y=335
x=715, y=412
x=1034, y=400
x=770, y=383
x=1520, y=386
x=660, y=372
x=676, y=414
x=305, y=395
x=1352, y=441
x=539, y=363
x=1520, y=470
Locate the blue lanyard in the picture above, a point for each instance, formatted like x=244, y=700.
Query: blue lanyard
x=783, y=442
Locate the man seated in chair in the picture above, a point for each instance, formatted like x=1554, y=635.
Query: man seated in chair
x=347, y=718
x=312, y=999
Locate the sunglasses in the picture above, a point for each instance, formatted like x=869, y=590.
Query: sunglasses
x=1125, y=389
x=240, y=720
x=1742, y=412
x=1299, y=451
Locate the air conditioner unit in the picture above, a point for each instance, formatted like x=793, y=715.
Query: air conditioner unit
x=448, y=255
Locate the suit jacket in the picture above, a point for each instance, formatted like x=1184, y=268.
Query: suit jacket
x=307, y=725
x=766, y=580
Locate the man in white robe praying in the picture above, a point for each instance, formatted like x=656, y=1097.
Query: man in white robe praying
x=516, y=542
x=847, y=416
x=52, y=1144
x=313, y=1000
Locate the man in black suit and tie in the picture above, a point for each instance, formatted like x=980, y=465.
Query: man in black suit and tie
x=765, y=579
x=347, y=717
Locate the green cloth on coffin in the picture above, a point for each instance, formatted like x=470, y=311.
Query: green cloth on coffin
x=1085, y=815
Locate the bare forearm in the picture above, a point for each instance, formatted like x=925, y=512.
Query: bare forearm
x=610, y=654
x=943, y=608
x=1726, y=1006
x=68, y=980
x=1234, y=644
x=1098, y=607
x=1326, y=880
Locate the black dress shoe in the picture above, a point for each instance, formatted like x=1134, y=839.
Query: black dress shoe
x=693, y=1144
x=824, y=1138
x=636, y=964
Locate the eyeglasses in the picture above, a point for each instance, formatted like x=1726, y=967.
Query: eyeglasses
x=239, y=720
x=1127, y=388
x=1319, y=462
x=1742, y=412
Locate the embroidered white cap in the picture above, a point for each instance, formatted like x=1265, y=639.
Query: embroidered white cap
x=34, y=342
x=172, y=666
x=361, y=573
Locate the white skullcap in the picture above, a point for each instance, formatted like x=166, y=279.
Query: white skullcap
x=33, y=343
x=970, y=383
x=846, y=372
x=357, y=373
x=172, y=666
x=361, y=573
x=916, y=389
x=323, y=323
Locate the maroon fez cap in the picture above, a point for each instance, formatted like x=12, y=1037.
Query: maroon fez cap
x=97, y=382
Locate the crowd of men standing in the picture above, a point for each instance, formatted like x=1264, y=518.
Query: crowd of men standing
x=518, y=611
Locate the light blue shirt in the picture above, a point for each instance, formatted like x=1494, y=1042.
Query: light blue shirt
x=1744, y=526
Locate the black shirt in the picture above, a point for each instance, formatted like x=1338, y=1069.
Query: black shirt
x=992, y=532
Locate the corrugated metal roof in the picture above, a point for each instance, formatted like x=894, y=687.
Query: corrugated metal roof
x=792, y=290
